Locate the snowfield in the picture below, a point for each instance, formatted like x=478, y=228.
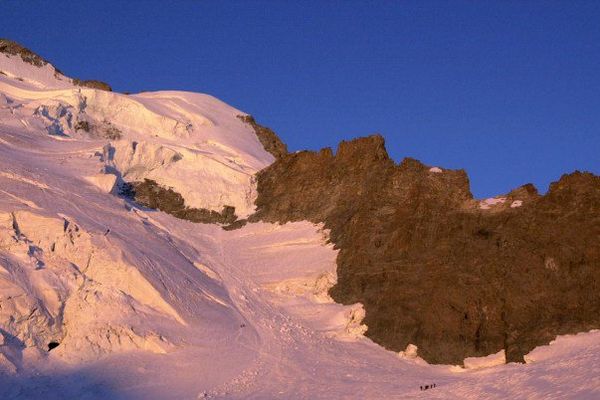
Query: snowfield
x=145, y=306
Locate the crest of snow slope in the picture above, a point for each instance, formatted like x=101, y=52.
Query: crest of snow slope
x=146, y=306
x=191, y=142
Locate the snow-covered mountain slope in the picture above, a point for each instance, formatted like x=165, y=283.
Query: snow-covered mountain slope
x=141, y=305
x=191, y=142
x=29, y=75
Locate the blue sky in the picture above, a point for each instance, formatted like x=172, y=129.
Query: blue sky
x=509, y=91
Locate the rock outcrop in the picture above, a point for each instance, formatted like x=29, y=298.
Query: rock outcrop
x=436, y=268
x=267, y=137
x=93, y=84
x=150, y=194
x=13, y=48
x=10, y=47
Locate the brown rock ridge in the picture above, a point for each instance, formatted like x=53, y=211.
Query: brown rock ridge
x=93, y=84
x=13, y=48
x=267, y=137
x=433, y=268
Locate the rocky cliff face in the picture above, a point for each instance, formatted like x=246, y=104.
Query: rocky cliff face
x=436, y=268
